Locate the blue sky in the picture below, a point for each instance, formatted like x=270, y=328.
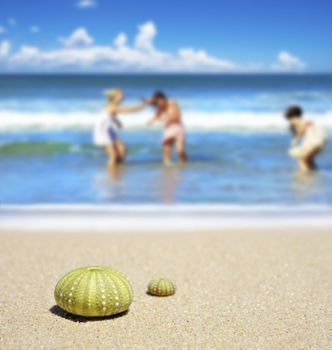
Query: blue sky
x=200, y=36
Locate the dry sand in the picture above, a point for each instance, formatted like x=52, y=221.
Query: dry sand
x=236, y=290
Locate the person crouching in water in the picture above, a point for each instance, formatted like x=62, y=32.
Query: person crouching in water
x=169, y=113
x=308, y=139
x=105, y=132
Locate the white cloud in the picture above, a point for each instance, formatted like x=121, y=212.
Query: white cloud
x=121, y=40
x=288, y=62
x=27, y=54
x=79, y=37
x=4, y=48
x=79, y=54
x=2, y=30
x=12, y=21
x=27, y=51
x=190, y=59
x=34, y=29
x=145, y=36
x=84, y=4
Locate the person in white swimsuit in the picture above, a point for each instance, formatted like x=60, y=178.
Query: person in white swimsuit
x=105, y=131
x=308, y=139
x=169, y=113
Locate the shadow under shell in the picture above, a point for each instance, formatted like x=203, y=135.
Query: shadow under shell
x=56, y=310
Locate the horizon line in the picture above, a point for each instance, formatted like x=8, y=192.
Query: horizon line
x=167, y=73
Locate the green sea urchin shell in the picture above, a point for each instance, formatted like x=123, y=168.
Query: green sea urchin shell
x=94, y=291
x=161, y=287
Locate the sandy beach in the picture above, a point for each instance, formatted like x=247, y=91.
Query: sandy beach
x=262, y=289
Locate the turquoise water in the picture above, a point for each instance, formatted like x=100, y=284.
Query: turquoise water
x=237, y=141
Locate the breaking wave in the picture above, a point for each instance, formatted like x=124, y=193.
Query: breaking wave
x=13, y=121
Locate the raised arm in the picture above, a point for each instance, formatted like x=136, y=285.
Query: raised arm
x=130, y=109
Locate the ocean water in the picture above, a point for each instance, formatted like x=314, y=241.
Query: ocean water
x=236, y=135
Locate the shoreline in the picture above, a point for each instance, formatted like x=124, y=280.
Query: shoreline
x=106, y=218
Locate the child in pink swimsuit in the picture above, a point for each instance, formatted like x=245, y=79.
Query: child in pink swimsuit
x=308, y=139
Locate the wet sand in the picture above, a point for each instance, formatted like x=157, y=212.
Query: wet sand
x=236, y=289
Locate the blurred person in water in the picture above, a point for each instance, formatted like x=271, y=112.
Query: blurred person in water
x=169, y=113
x=106, y=128
x=308, y=139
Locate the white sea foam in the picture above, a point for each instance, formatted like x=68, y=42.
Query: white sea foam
x=13, y=121
x=189, y=218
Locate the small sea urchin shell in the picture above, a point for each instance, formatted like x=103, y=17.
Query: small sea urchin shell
x=94, y=291
x=161, y=287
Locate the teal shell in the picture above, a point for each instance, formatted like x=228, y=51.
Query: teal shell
x=94, y=291
x=161, y=287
